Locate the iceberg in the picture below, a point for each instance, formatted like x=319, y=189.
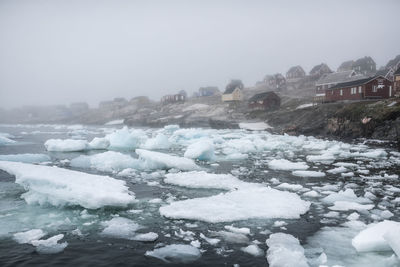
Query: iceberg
x=176, y=253
x=61, y=187
x=251, y=203
x=285, y=250
x=158, y=142
x=66, y=145
x=201, y=150
x=107, y=162
x=156, y=160
x=373, y=237
x=126, y=139
x=99, y=143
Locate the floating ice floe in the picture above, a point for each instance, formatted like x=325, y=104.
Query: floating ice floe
x=59, y=187
x=201, y=150
x=251, y=203
x=108, y=161
x=156, y=160
x=286, y=165
x=159, y=142
x=99, y=143
x=285, y=250
x=66, y=145
x=202, y=179
x=126, y=139
x=28, y=236
x=176, y=253
x=373, y=238
x=253, y=250
x=348, y=205
x=50, y=245
x=26, y=158
x=120, y=227
x=115, y=122
x=308, y=173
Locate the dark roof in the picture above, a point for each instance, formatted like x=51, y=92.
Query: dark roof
x=355, y=83
x=229, y=90
x=262, y=96
x=397, y=72
x=339, y=77
x=232, y=86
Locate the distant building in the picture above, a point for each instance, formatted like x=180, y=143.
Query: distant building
x=275, y=81
x=183, y=92
x=397, y=82
x=169, y=99
x=393, y=63
x=331, y=79
x=106, y=104
x=208, y=91
x=346, y=66
x=265, y=101
x=295, y=73
x=319, y=70
x=233, y=91
x=365, y=66
x=368, y=88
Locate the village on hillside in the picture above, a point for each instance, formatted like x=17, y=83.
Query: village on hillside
x=354, y=80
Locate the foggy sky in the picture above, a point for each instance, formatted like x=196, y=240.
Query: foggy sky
x=63, y=51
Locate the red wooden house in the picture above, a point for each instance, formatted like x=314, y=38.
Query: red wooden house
x=265, y=101
x=368, y=88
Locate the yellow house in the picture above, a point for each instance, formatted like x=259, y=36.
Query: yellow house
x=233, y=91
x=232, y=95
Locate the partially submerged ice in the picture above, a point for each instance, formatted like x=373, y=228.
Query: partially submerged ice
x=156, y=160
x=60, y=187
x=26, y=158
x=176, y=253
x=201, y=150
x=251, y=203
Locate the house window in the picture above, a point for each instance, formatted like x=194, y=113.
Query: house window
x=359, y=90
x=374, y=89
x=353, y=90
x=341, y=91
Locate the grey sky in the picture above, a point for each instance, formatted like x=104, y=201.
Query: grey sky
x=62, y=51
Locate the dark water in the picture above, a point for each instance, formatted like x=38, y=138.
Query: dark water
x=93, y=249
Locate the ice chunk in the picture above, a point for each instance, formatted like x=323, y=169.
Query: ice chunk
x=346, y=195
x=26, y=158
x=50, y=245
x=291, y=187
x=201, y=179
x=158, y=142
x=58, y=187
x=253, y=250
x=28, y=236
x=126, y=139
x=201, y=150
x=392, y=237
x=230, y=237
x=157, y=160
x=176, y=253
x=66, y=145
x=308, y=173
x=336, y=170
x=372, y=238
x=311, y=193
x=120, y=227
x=211, y=241
x=263, y=203
x=99, y=143
x=348, y=205
x=242, y=230
x=285, y=165
x=285, y=250
x=108, y=161
x=147, y=237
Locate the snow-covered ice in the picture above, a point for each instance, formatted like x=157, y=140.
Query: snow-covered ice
x=286, y=165
x=26, y=158
x=156, y=160
x=66, y=145
x=28, y=236
x=261, y=203
x=59, y=187
x=201, y=150
x=108, y=161
x=50, y=245
x=285, y=250
x=308, y=173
